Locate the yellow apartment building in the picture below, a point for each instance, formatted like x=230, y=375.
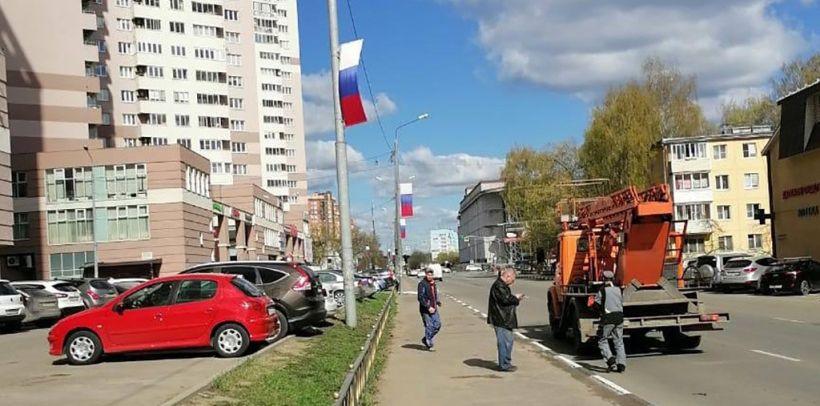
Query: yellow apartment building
x=719, y=182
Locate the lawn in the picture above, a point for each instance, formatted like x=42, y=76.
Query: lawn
x=302, y=371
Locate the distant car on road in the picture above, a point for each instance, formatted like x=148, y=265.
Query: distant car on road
x=745, y=272
x=42, y=307
x=798, y=275
x=224, y=312
x=472, y=268
x=12, y=308
x=69, y=299
x=413, y=272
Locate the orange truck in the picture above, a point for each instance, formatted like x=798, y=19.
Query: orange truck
x=634, y=235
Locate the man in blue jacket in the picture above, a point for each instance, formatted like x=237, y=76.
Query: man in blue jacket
x=428, y=307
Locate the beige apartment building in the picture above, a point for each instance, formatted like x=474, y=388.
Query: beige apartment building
x=323, y=212
x=718, y=184
x=6, y=211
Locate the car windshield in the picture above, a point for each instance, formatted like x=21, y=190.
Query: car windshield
x=246, y=287
x=7, y=289
x=101, y=285
x=65, y=287
x=738, y=263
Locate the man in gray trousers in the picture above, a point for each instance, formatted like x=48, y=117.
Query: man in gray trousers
x=611, y=303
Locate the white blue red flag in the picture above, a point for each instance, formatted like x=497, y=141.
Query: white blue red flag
x=352, y=109
x=406, y=195
x=403, y=228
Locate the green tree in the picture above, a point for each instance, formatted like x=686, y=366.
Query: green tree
x=756, y=110
x=675, y=97
x=417, y=259
x=366, y=250
x=325, y=244
x=451, y=257
x=796, y=74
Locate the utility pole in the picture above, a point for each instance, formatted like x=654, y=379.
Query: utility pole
x=373, y=224
x=341, y=171
x=399, y=259
x=94, y=215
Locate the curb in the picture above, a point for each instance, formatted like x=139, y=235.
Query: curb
x=568, y=364
x=190, y=392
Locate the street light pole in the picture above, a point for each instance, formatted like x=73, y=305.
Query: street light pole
x=94, y=215
x=399, y=260
x=341, y=171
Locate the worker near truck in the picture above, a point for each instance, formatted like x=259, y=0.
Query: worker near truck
x=611, y=303
x=428, y=306
x=501, y=315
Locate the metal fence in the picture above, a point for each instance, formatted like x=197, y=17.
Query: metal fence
x=355, y=381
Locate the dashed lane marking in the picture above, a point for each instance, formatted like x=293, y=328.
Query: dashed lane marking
x=790, y=320
x=771, y=354
x=611, y=385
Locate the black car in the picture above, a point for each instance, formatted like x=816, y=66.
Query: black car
x=800, y=275
x=294, y=288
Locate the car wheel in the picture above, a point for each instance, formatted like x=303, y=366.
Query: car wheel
x=284, y=326
x=339, y=297
x=231, y=340
x=805, y=287
x=83, y=348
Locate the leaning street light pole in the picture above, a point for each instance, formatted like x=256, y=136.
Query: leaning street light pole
x=399, y=260
x=94, y=215
x=341, y=172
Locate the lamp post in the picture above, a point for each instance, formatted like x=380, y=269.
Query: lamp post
x=94, y=214
x=399, y=260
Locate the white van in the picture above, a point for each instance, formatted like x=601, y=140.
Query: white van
x=438, y=272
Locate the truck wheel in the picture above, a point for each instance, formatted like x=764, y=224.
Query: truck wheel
x=555, y=323
x=579, y=346
x=676, y=340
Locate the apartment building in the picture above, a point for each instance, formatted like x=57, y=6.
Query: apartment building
x=443, y=240
x=718, y=183
x=6, y=211
x=794, y=175
x=481, y=219
x=323, y=212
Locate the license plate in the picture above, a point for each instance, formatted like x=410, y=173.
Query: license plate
x=733, y=274
x=775, y=286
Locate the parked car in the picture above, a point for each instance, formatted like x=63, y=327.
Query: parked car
x=123, y=284
x=798, y=275
x=413, y=272
x=224, y=312
x=745, y=272
x=12, y=309
x=69, y=299
x=294, y=288
x=95, y=291
x=708, y=268
x=334, y=284
x=42, y=307
x=330, y=303
x=366, y=285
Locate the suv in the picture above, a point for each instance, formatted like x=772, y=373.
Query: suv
x=69, y=299
x=745, y=272
x=12, y=309
x=798, y=275
x=295, y=290
x=710, y=267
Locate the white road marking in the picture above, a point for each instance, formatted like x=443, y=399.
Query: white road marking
x=776, y=355
x=484, y=315
x=542, y=346
x=790, y=320
x=518, y=333
x=409, y=292
x=568, y=361
x=611, y=385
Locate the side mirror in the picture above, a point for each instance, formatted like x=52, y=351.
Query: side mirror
x=119, y=308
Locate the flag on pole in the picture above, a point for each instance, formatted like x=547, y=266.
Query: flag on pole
x=406, y=195
x=403, y=228
x=352, y=109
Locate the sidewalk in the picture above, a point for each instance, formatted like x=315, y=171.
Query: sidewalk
x=462, y=369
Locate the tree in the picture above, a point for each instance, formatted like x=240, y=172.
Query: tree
x=366, y=250
x=451, y=257
x=756, y=110
x=417, y=259
x=675, y=98
x=796, y=74
x=326, y=243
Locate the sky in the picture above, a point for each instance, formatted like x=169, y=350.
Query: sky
x=496, y=74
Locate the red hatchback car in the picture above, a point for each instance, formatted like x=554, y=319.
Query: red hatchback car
x=224, y=312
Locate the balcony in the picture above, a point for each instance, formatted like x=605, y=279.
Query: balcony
x=693, y=196
x=691, y=165
x=88, y=19
x=699, y=227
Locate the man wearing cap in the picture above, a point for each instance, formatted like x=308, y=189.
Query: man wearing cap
x=611, y=303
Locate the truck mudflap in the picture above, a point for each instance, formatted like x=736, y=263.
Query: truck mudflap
x=686, y=323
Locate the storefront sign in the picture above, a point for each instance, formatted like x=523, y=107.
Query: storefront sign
x=235, y=214
x=217, y=207
x=808, y=211
x=800, y=191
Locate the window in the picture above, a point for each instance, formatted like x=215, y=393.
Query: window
x=268, y=39
x=751, y=180
x=159, y=141
x=231, y=15
x=176, y=4
x=220, y=167
x=208, y=31
x=240, y=169
x=158, y=294
x=724, y=212
x=270, y=275
x=689, y=151
x=127, y=96
x=183, y=120
x=245, y=272
x=722, y=182
x=19, y=184
x=181, y=97
x=185, y=142
x=69, y=226
x=195, y=290
x=238, y=147
x=127, y=223
x=125, y=48
x=106, y=118
x=177, y=50
x=68, y=184
x=156, y=95
x=127, y=72
x=234, y=60
x=123, y=3
x=149, y=47
x=212, y=122
x=124, y=24
x=206, y=8
x=235, y=103
x=207, y=76
x=20, y=229
x=126, y=181
x=69, y=264
x=104, y=95
x=683, y=181
x=177, y=27
x=751, y=209
x=749, y=150
x=208, y=53
x=156, y=119
x=694, y=211
x=755, y=241
x=151, y=3
x=148, y=24
x=719, y=151
x=694, y=245
x=129, y=119
x=235, y=81
x=179, y=73
x=238, y=125
x=210, y=145
x=231, y=37
x=725, y=243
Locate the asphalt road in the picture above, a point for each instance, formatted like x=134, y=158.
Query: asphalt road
x=768, y=354
x=30, y=376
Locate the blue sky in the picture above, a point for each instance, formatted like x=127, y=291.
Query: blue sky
x=495, y=74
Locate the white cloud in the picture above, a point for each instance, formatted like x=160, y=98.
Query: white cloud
x=582, y=47
x=317, y=95
x=439, y=175
x=321, y=163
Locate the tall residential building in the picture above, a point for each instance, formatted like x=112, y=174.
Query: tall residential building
x=481, y=223
x=718, y=183
x=323, y=213
x=443, y=240
x=6, y=209
x=794, y=175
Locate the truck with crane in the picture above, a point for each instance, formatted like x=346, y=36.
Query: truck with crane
x=633, y=234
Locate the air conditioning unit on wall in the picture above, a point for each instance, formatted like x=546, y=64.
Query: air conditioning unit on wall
x=12, y=261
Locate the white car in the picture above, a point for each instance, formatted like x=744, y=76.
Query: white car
x=69, y=299
x=12, y=309
x=473, y=268
x=334, y=285
x=414, y=272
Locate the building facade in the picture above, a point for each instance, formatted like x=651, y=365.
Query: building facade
x=443, y=240
x=718, y=183
x=323, y=213
x=481, y=221
x=794, y=175
x=6, y=210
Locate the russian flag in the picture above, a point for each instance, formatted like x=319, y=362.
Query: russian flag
x=406, y=195
x=403, y=228
x=352, y=109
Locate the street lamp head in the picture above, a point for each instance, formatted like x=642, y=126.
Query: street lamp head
x=424, y=116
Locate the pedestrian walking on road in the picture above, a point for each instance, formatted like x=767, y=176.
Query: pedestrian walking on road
x=501, y=315
x=428, y=306
x=610, y=300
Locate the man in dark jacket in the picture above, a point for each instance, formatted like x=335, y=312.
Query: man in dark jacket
x=428, y=307
x=501, y=314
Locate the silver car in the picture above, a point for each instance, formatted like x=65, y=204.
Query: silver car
x=745, y=272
